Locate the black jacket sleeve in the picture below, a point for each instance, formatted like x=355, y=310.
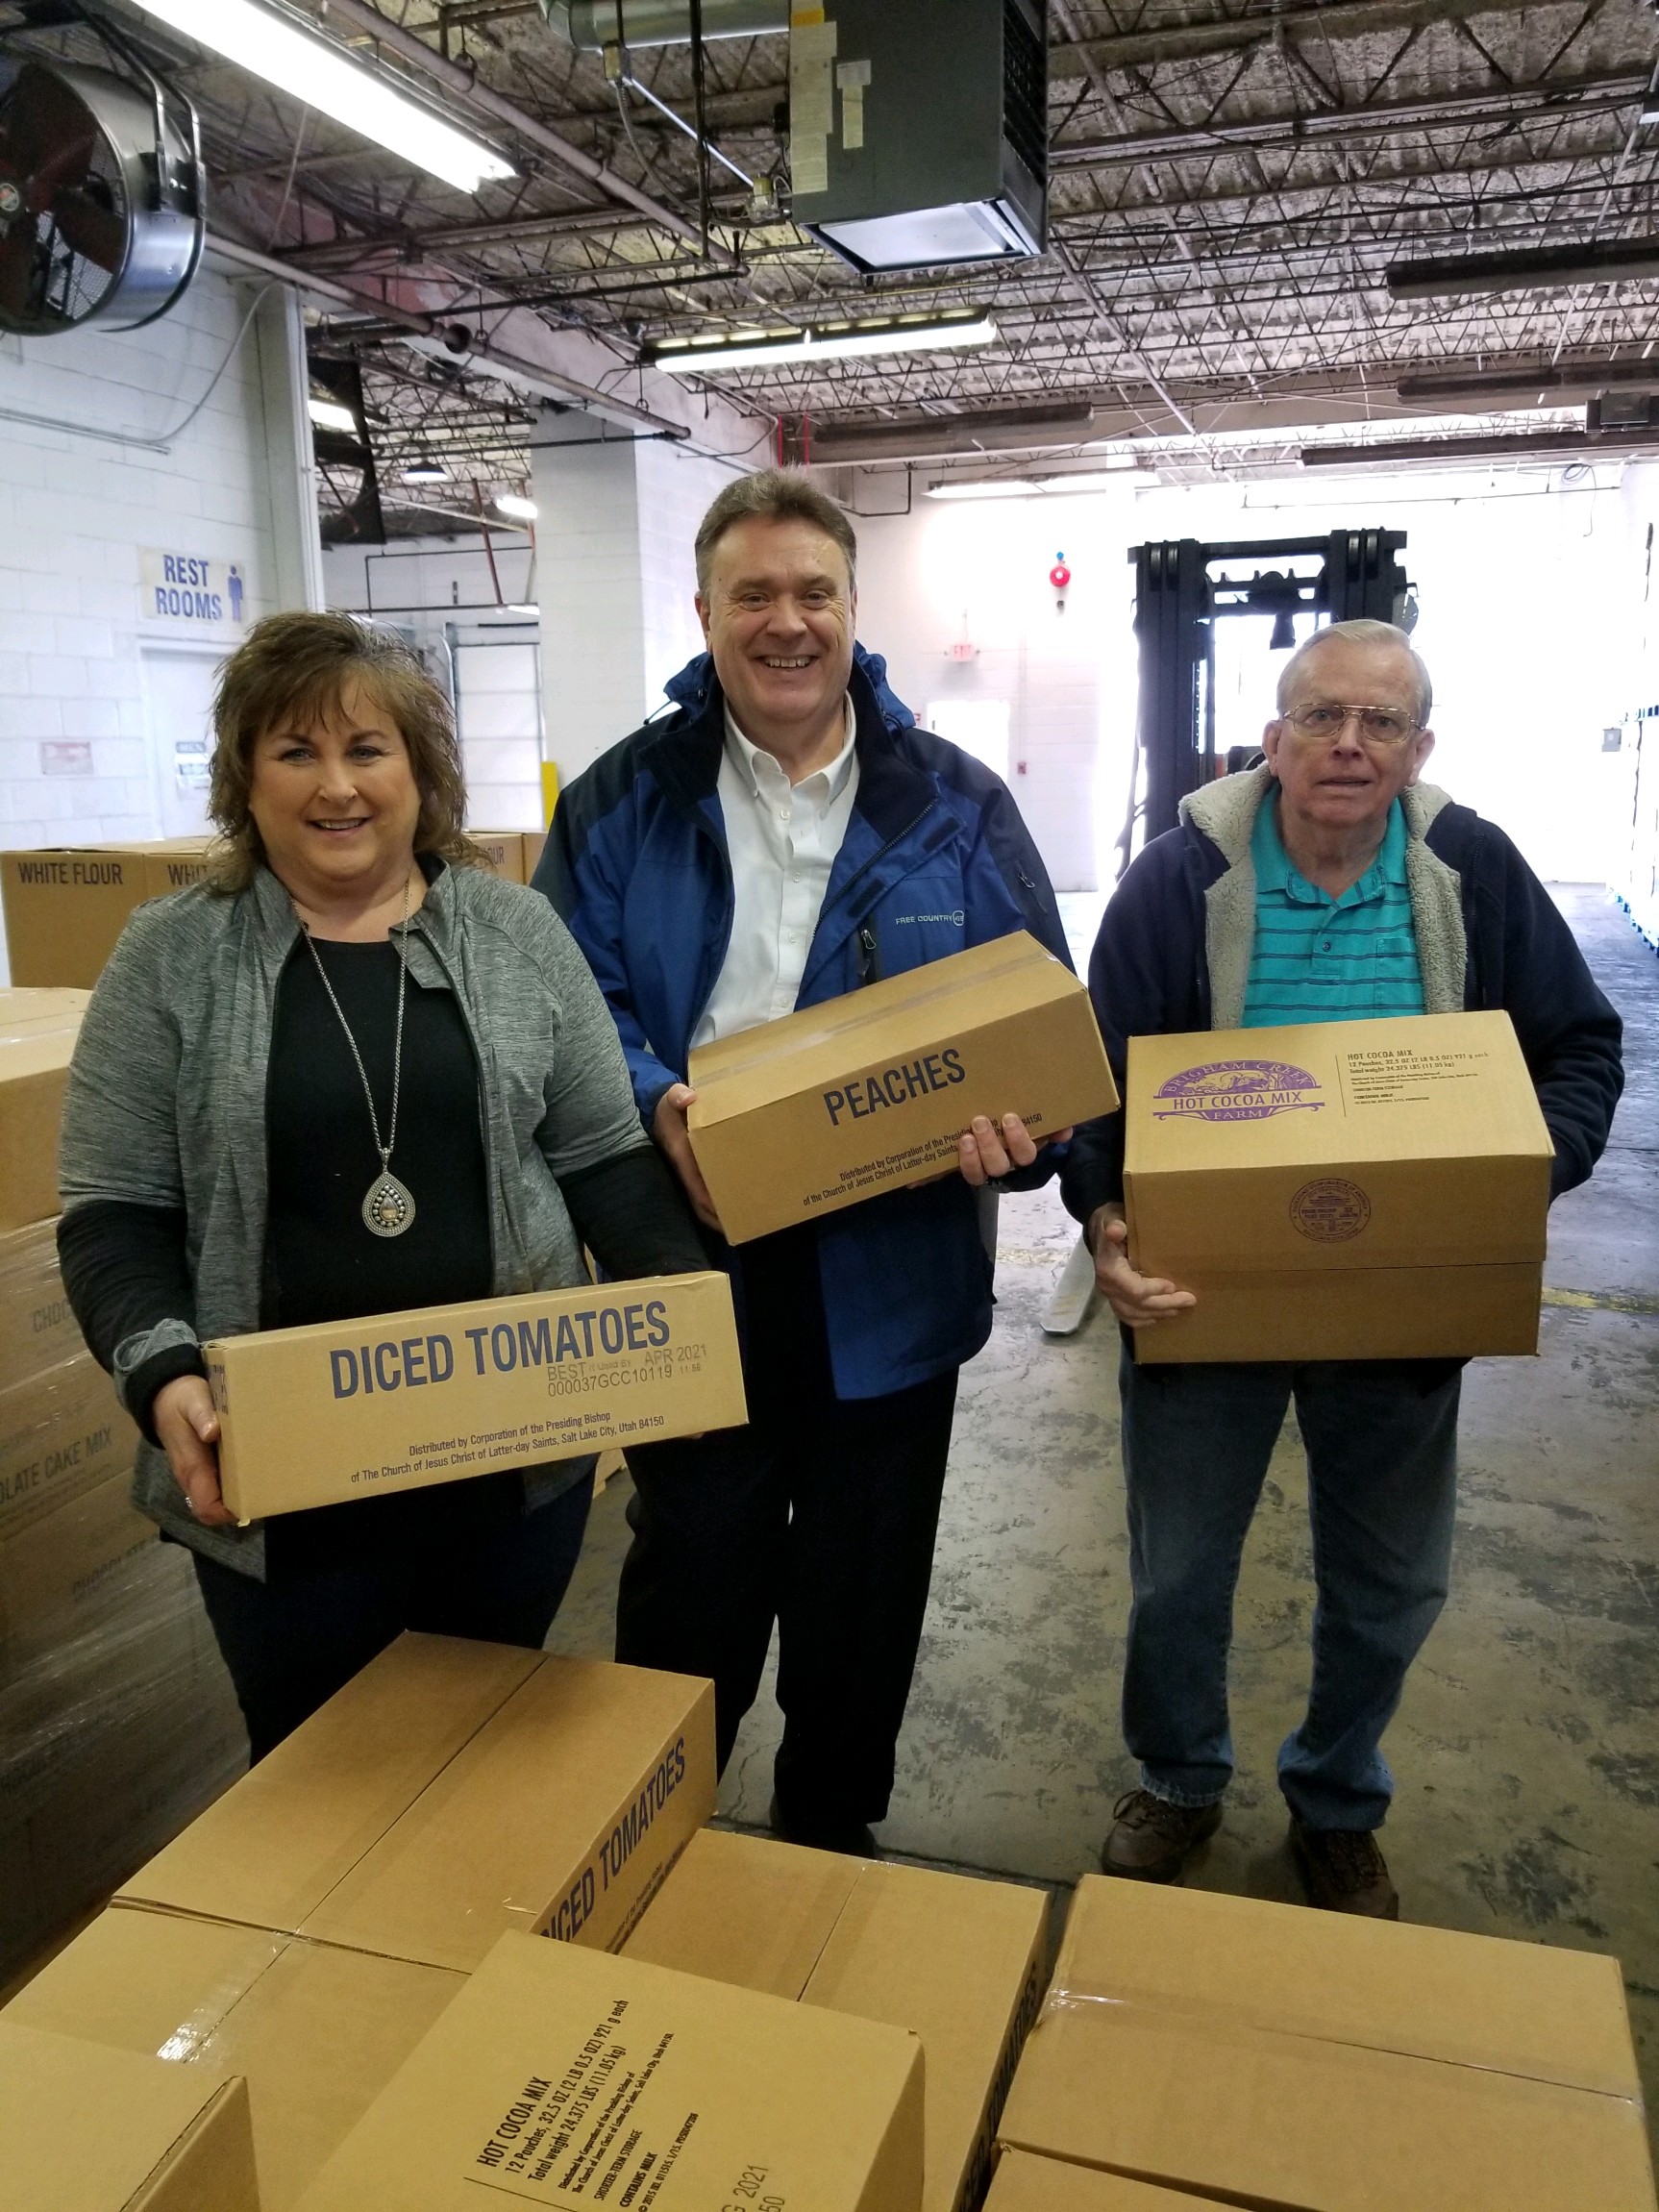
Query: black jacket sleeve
x=632, y=1216
x=124, y=1270
x=1527, y=960
x=1147, y=978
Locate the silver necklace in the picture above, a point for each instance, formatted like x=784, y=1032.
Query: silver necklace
x=387, y=1207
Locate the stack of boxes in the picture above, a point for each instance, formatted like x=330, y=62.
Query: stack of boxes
x=66, y=905
x=359, y=1933
x=467, y=1928
x=116, y=1720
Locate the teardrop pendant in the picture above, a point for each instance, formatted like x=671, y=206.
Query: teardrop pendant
x=388, y=1209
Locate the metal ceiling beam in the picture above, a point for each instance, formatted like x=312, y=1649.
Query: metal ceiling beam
x=1543, y=268
x=1534, y=386
x=1520, y=446
x=1333, y=126
x=1332, y=20
x=473, y=93
x=339, y=252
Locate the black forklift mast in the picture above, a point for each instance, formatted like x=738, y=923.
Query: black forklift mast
x=1177, y=601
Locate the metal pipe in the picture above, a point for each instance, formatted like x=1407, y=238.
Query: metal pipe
x=590, y=25
x=452, y=343
x=468, y=87
x=246, y=258
x=465, y=349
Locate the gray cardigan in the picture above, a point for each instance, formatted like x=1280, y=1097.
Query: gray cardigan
x=166, y=1105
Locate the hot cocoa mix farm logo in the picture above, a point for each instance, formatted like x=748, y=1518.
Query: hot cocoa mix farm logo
x=1237, y=1090
x=1330, y=1210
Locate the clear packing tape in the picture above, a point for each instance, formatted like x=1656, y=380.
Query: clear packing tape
x=117, y=1724
x=37, y=1328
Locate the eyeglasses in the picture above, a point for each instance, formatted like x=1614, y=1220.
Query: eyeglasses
x=1378, y=725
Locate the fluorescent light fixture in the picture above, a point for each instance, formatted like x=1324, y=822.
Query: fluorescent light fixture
x=328, y=415
x=327, y=79
x=1111, y=473
x=426, y=472
x=515, y=507
x=994, y=487
x=824, y=341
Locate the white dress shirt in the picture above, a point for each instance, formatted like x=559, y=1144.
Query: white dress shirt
x=782, y=839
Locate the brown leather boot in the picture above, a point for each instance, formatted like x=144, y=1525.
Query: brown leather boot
x=1151, y=1838
x=1345, y=1870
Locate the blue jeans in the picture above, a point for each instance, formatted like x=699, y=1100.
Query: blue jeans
x=1381, y=1439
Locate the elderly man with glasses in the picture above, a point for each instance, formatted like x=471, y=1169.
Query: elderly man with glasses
x=1327, y=884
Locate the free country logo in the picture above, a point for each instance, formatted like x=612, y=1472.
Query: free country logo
x=1236, y=1090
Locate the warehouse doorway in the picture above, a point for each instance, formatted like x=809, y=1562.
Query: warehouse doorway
x=179, y=718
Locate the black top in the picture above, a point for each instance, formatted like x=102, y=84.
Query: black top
x=322, y=1261
x=125, y=1269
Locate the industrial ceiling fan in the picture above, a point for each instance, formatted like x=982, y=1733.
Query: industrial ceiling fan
x=102, y=196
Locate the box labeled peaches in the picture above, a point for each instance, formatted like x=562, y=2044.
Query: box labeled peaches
x=872, y=1091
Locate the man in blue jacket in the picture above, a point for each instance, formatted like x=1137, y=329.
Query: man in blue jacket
x=1327, y=884
x=784, y=836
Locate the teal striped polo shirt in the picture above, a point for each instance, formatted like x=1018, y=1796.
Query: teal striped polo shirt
x=1316, y=958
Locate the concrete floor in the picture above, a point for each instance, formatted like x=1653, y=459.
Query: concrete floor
x=1527, y=1751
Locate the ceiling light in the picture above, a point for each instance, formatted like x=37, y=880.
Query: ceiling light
x=993, y=488
x=1109, y=473
x=323, y=77
x=1108, y=477
x=426, y=472
x=328, y=415
x=515, y=506
x=824, y=341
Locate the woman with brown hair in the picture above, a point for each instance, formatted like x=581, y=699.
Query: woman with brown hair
x=352, y=1073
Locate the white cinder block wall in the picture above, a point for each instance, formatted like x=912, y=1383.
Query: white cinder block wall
x=86, y=727
x=615, y=579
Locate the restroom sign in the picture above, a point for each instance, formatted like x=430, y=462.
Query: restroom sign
x=187, y=588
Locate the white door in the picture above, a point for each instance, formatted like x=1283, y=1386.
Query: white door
x=179, y=707
x=498, y=707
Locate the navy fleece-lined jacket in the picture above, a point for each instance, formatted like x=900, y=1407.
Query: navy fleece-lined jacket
x=1173, y=955
x=935, y=860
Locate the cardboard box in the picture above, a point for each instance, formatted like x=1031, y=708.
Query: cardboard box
x=1027, y=2184
x=316, y=2033
x=504, y=851
x=871, y=1092
x=354, y=1409
x=534, y=845
x=91, y=2129
x=56, y=1569
x=1347, y=1190
x=38, y=1328
x=958, y=1962
x=34, y=1071
x=451, y=1791
x=1269, y=2056
x=565, y=2078
x=61, y=1434
x=66, y=906
x=25, y=1013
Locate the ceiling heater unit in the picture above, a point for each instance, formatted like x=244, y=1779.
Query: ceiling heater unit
x=919, y=133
